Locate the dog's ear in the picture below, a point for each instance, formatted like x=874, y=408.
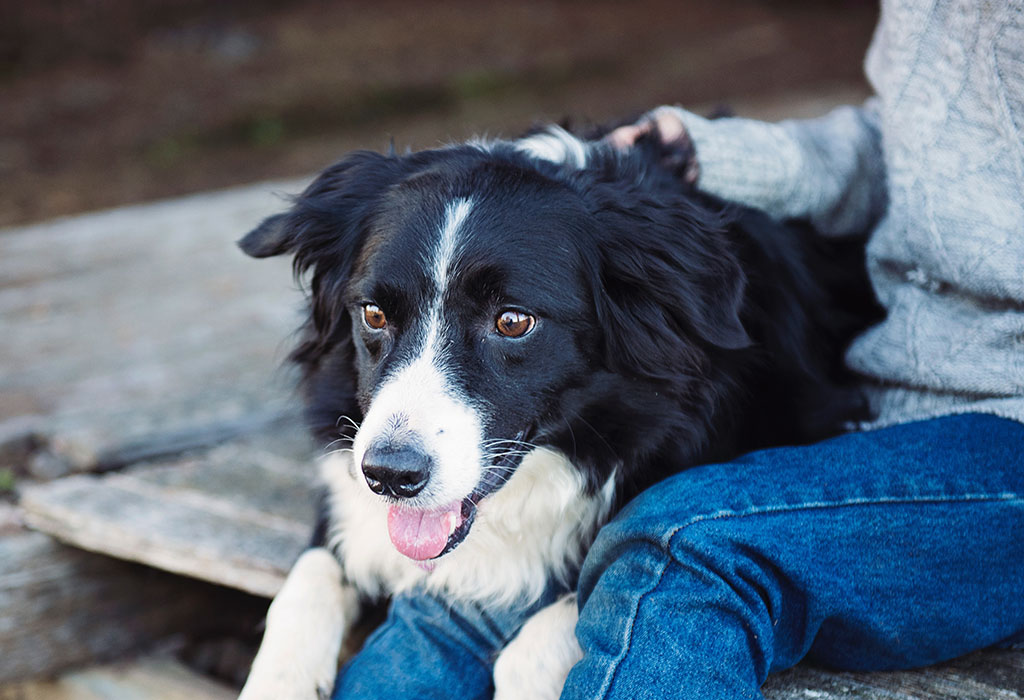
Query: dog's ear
x=328, y=214
x=269, y=238
x=324, y=230
x=669, y=285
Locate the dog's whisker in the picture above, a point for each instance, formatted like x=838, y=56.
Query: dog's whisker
x=503, y=479
x=495, y=468
x=595, y=431
x=509, y=453
x=499, y=440
x=523, y=443
x=355, y=424
x=343, y=438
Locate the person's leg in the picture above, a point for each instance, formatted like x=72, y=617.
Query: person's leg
x=894, y=548
x=432, y=649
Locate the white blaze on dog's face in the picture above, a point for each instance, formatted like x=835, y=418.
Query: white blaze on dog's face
x=463, y=341
x=421, y=428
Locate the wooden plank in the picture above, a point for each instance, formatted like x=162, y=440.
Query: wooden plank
x=1001, y=668
x=143, y=331
x=61, y=607
x=987, y=675
x=237, y=515
x=153, y=678
x=806, y=683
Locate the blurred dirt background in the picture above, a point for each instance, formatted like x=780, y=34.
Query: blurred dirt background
x=108, y=102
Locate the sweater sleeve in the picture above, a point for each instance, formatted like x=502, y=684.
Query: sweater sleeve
x=829, y=170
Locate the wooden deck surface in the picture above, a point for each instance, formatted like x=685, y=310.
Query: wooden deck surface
x=234, y=515
x=139, y=341
x=156, y=677
x=990, y=675
x=62, y=607
x=141, y=330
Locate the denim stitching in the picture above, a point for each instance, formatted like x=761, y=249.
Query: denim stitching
x=821, y=505
x=612, y=672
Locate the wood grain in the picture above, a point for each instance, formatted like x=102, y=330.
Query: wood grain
x=143, y=331
x=61, y=607
x=237, y=515
x=150, y=678
x=987, y=675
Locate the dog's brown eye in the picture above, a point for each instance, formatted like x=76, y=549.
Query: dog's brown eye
x=513, y=324
x=374, y=317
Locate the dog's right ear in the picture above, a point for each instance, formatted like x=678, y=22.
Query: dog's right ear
x=328, y=213
x=269, y=238
x=324, y=230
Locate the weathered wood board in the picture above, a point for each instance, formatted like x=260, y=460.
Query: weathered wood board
x=236, y=515
x=153, y=678
x=143, y=331
x=61, y=607
x=988, y=675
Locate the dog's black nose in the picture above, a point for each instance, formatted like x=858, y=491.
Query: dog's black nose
x=401, y=472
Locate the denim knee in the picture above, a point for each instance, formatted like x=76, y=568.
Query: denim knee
x=684, y=596
x=699, y=495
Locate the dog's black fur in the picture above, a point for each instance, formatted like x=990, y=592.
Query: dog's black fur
x=699, y=329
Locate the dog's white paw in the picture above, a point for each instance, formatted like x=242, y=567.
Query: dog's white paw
x=535, y=664
x=298, y=658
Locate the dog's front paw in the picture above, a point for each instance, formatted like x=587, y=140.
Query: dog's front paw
x=298, y=658
x=536, y=663
x=286, y=687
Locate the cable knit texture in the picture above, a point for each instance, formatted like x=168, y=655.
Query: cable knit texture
x=934, y=166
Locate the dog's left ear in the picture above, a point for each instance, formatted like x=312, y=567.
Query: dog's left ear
x=668, y=285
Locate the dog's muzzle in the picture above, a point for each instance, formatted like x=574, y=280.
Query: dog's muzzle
x=398, y=472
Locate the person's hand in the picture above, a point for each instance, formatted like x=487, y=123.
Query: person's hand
x=678, y=152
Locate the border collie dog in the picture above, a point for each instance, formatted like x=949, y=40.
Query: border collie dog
x=516, y=337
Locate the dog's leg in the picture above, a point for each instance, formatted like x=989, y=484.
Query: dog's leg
x=298, y=658
x=535, y=664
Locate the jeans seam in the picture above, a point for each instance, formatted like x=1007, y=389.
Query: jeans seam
x=610, y=675
x=628, y=641
x=1005, y=497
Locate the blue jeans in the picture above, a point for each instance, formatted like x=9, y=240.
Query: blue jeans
x=888, y=549
x=430, y=649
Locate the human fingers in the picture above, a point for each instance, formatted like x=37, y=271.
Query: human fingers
x=626, y=136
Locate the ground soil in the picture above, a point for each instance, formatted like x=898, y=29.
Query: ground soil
x=113, y=101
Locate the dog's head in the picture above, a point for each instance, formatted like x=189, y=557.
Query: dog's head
x=469, y=304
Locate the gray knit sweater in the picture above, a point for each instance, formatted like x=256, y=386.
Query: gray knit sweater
x=934, y=166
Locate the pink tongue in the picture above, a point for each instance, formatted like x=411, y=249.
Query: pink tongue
x=422, y=534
